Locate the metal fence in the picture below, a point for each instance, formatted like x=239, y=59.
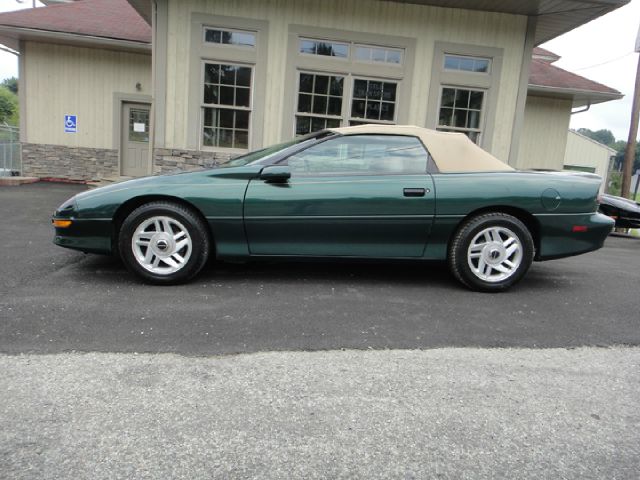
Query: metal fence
x=10, y=151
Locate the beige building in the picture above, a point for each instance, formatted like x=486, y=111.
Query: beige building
x=161, y=85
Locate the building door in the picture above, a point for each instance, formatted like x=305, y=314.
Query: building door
x=134, y=153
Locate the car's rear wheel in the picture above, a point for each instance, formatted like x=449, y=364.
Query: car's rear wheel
x=491, y=252
x=164, y=243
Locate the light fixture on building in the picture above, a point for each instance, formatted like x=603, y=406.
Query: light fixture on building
x=138, y=86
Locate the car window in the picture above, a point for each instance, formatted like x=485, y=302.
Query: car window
x=362, y=155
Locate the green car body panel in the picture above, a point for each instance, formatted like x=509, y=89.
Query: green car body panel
x=348, y=216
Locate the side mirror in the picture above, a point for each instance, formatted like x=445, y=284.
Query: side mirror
x=276, y=173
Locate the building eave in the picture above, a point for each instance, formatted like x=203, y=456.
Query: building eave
x=12, y=36
x=579, y=97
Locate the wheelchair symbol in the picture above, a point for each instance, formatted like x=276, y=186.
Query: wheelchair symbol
x=70, y=124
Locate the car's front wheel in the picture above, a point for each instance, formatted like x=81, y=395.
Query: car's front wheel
x=491, y=252
x=164, y=243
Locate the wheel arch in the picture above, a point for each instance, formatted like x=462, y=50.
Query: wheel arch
x=123, y=211
x=531, y=222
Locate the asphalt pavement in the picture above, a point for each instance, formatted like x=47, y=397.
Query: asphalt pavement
x=311, y=370
x=56, y=300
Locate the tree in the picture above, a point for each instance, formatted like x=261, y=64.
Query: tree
x=603, y=136
x=8, y=106
x=10, y=84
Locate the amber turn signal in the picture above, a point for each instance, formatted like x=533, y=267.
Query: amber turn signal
x=61, y=223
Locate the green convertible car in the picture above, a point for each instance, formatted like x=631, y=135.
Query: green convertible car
x=371, y=191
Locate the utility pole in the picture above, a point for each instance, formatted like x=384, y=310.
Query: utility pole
x=630, y=151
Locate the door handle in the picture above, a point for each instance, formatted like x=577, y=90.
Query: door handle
x=415, y=192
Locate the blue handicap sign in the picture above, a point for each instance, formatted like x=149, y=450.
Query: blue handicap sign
x=70, y=123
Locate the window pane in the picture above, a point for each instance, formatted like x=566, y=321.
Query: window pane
x=230, y=37
x=378, y=55
x=307, y=46
x=460, y=118
x=208, y=139
x=373, y=110
x=389, y=92
x=241, y=139
x=242, y=97
x=335, y=106
x=243, y=38
x=321, y=84
x=211, y=73
x=226, y=95
x=374, y=90
x=394, y=56
x=228, y=75
x=387, y=111
x=451, y=62
x=306, y=82
x=362, y=155
x=358, y=108
x=210, y=94
x=243, y=76
x=303, y=125
x=304, y=103
x=226, y=118
x=320, y=104
x=325, y=48
x=336, y=86
x=481, y=66
x=466, y=64
x=462, y=98
x=212, y=36
x=242, y=119
x=475, y=100
x=225, y=138
x=473, y=119
x=317, y=124
x=359, y=89
x=448, y=97
x=363, y=54
x=446, y=116
x=138, y=125
x=340, y=50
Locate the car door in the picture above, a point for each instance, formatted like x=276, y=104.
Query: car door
x=352, y=195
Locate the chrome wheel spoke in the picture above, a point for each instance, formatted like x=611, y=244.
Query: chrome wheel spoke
x=161, y=245
x=494, y=254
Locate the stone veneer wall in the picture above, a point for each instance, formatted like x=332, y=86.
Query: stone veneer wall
x=168, y=160
x=75, y=163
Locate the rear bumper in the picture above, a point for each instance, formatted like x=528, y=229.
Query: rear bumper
x=90, y=236
x=559, y=238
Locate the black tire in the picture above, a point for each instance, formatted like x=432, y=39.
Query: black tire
x=465, y=264
x=180, y=220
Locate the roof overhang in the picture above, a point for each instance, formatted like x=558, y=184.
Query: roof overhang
x=555, y=17
x=579, y=98
x=11, y=37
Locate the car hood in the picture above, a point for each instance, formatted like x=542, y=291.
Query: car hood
x=177, y=178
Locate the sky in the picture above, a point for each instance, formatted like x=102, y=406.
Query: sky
x=601, y=50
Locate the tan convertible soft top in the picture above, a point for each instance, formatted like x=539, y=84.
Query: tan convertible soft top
x=452, y=152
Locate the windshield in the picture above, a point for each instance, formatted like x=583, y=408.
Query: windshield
x=264, y=153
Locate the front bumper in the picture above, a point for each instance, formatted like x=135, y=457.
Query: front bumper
x=86, y=235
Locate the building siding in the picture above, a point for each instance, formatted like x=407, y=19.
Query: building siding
x=544, y=135
x=64, y=79
x=426, y=24
x=584, y=152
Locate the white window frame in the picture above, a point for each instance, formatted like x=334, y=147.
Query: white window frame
x=450, y=128
x=204, y=105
